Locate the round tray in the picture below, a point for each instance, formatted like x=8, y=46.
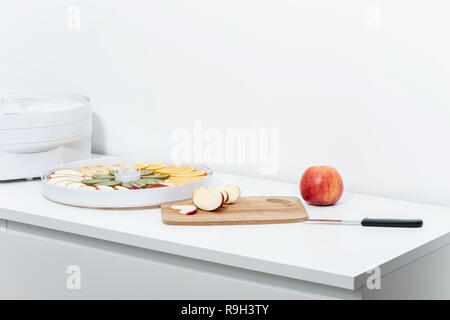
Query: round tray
x=120, y=199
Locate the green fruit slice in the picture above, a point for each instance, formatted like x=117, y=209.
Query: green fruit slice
x=146, y=172
x=91, y=182
x=112, y=173
x=127, y=185
x=151, y=182
x=109, y=183
x=102, y=176
x=157, y=176
x=138, y=183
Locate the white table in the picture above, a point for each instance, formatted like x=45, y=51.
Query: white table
x=132, y=254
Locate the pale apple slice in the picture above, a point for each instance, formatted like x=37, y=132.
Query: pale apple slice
x=104, y=188
x=207, y=199
x=67, y=176
x=224, y=194
x=63, y=183
x=56, y=180
x=121, y=188
x=185, y=209
x=74, y=185
x=68, y=172
x=234, y=193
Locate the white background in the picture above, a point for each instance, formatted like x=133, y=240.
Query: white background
x=360, y=85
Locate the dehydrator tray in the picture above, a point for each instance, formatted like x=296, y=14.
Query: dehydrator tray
x=118, y=182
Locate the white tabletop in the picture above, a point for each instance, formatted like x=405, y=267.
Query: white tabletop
x=337, y=255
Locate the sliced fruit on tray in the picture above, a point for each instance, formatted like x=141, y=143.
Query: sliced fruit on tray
x=151, y=175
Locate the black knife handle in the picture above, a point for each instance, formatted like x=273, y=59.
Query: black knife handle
x=397, y=223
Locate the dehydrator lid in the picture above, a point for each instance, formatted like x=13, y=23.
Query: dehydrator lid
x=28, y=110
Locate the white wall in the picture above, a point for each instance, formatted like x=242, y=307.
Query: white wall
x=361, y=85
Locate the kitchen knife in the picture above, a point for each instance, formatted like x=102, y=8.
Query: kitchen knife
x=369, y=222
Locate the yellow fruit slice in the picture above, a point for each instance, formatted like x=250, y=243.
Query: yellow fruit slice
x=189, y=174
x=184, y=179
x=184, y=169
x=154, y=166
x=88, y=171
x=140, y=165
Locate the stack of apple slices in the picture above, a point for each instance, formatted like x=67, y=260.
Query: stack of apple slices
x=210, y=199
x=214, y=198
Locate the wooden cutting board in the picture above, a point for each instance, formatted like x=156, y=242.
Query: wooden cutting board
x=247, y=210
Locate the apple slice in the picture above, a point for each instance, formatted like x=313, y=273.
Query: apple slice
x=207, y=199
x=224, y=194
x=68, y=172
x=73, y=177
x=103, y=188
x=234, y=193
x=186, y=209
x=74, y=185
x=56, y=180
x=121, y=188
x=63, y=183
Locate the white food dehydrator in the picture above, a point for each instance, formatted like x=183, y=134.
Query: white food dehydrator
x=41, y=131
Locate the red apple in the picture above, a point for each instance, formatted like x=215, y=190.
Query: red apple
x=321, y=186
